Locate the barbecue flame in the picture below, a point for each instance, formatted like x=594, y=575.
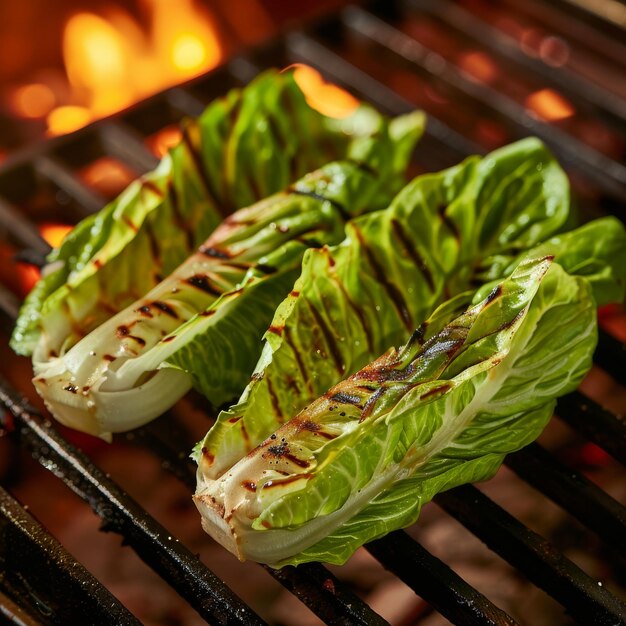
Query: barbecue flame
x=54, y=233
x=325, y=97
x=111, y=62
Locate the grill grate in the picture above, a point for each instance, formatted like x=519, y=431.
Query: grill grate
x=347, y=48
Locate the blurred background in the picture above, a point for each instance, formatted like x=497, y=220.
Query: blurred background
x=65, y=64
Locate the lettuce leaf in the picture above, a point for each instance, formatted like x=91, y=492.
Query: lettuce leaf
x=443, y=235
x=244, y=147
x=206, y=319
x=362, y=459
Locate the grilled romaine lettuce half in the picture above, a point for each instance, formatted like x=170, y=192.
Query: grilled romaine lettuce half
x=361, y=460
x=444, y=234
x=204, y=323
x=244, y=147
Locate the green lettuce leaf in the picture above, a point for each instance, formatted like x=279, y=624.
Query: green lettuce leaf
x=244, y=147
x=362, y=459
x=203, y=324
x=443, y=235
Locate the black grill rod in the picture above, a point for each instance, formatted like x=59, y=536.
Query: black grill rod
x=589, y=504
x=607, y=105
x=42, y=574
x=610, y=355
x=584, y=20
x=161, y=551
x=305, y=49
x=436, y=583
x=604, y=171
x=21, y=230
x=11, y=613
x=53, y=169
x=9, y=305
x=314, y=585
x=585, y=599
x=330, y=599
x=124, y=143
x=593, y=422
x=326, y=595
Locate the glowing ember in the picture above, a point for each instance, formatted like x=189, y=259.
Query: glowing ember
x=96, y=60
x=554, y=51
x=478, y=66
x=32, y=101
x=111, y=62
x=67, y=118
x=325, y=97
x=107, y=176
x=54, y=233
x=549, y=105
x=163, y=140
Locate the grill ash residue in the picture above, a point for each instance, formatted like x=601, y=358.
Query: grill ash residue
x=282, y=451
x=165, y=308
x=279, y=450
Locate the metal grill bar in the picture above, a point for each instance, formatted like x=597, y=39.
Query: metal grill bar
x=20, y=229
x=52, y=574
x=601, y=169
x=87, y=200
x=585, y=599
x=125, y=144
x=575, y=493
x=610, y=355
x=595, y=423
x=434, y=581
x=449, y=145
x=121, y=514
x=607, y=105
x=326, y=596
x=314, y=585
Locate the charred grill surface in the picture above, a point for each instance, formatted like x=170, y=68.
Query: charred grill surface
x=368, y=49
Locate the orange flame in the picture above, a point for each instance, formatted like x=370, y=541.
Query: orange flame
x=111, y=62
x=549, y=105
x=54, y=233
x=325, y=97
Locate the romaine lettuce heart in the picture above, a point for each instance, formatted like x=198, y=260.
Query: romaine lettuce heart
x=203, y=324
x=244, y=147
x=443, y=234
x=361, y=460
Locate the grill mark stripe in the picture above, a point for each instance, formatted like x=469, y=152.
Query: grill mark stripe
x=450, y=225
x=285, y=481
x=151, y=186
x=359, y=313
x=202, y=282
x=371, y=403
x=393, y=292
x=417, y=259
x=274, y=400
x=181, y=222
x=130, y=223
x=296, y=353
x=155, y=250
x=316, y=196
x=345, y=398
x=165, y=308
x=329, y=338
x=206, y=181
x=213, y=252
x=233, y=116
x=364, y=167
